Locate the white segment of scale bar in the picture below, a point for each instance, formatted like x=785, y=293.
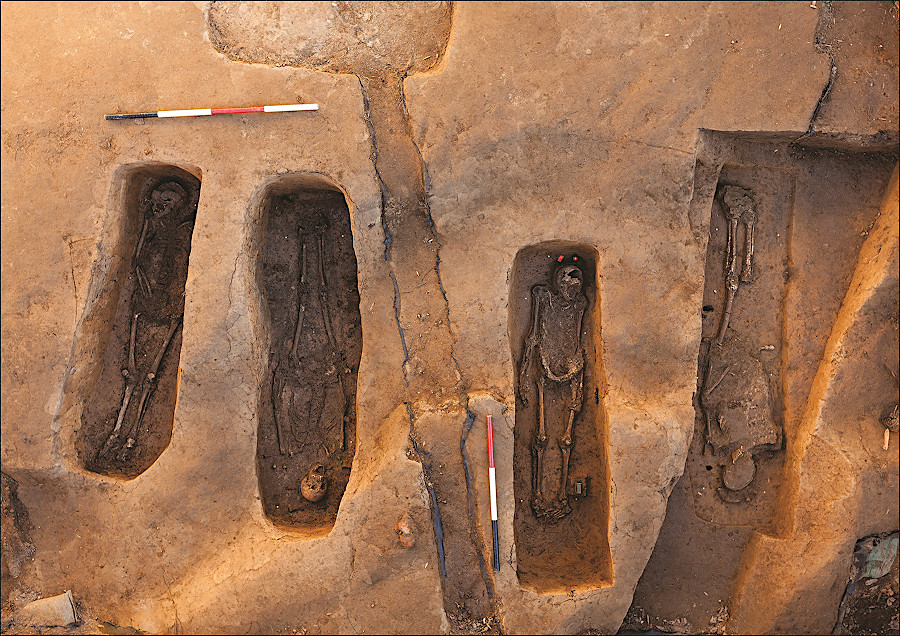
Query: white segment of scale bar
x=194, y=112
x=289, y=107
x=493, y=480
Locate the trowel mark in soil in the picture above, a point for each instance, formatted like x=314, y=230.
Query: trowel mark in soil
x=307, y=418
x=562, y=490
x=128, y=415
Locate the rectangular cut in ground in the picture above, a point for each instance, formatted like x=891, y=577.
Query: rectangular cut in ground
x=307, y=408
x=757, y=322
x=129, y=403
x=571, y=552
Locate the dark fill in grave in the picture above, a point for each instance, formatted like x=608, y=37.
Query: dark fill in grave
x=561, y=488
x=307, y=407
x=129, y=411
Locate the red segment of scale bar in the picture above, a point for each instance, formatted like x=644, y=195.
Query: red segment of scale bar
x=490, y=436
x=231, y=111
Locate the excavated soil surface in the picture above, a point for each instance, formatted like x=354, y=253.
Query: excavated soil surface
x=307, y=392
x=815, y=209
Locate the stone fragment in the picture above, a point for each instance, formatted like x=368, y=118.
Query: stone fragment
x=405, y=532
x=50, y=612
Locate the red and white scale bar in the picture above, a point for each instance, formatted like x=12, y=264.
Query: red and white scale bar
x=492, y=477
x=202, y=112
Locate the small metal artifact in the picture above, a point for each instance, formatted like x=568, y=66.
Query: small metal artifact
x=314, y=485
x=555, y=332
x=739, y=422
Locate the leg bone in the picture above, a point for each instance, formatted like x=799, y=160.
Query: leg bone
x=149, y=385
x=540, y=443
x=130, y=379
x=749, y=223
x=323, y=295
x=302, y=308
x=280, y=397
x=729, y=304
x=566, y=442
x=137, y=252
x=565, y=447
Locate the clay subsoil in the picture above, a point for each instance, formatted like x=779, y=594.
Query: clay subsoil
x=381, y=250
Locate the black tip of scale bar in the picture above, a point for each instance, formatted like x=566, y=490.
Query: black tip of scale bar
x=132, y=116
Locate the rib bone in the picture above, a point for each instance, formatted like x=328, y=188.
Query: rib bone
x=142, y=280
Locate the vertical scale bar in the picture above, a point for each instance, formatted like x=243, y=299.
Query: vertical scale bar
x=493, y=480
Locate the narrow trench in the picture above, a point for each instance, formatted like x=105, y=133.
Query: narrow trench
x=826, y=12
x=431, y=372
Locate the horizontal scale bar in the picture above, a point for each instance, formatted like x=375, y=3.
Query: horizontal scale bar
x=202, y=112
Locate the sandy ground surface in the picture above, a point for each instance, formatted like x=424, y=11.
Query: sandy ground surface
x=456, y=148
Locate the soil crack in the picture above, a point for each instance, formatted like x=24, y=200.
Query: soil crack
x=826, y=14
x=431, y=371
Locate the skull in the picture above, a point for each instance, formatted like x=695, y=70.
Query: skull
x=568, y=281
x=314, y=485
x=166, y=198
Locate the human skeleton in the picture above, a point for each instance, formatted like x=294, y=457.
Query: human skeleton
x=738, y=206
x=555, y=332
x=164, y=212
x=300, y=407
x=735, y=393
